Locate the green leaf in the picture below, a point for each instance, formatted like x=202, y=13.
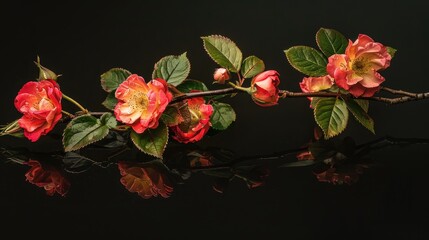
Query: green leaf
x=391, y=51
x=223, y=115
x=307, y=60
x=360, y=114
x=314, y=101
x=108, y=120
x=110, y=101
x=152, y=141
x=252, y=66
x=223, y=51
x=331, y=41
x=111, y=79
x=331, y=115
x=172, y=115
x=364, y=104
x=188, y=85
x=86, y=129
x=173, y=69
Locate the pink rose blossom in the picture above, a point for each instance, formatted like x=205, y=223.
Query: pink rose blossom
x=357, y=70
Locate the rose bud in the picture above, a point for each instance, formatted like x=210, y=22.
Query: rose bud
x=45, y=73
x=221, y=75
x=265, y=91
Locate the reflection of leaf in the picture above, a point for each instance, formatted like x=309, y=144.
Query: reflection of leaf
x=303, y=163
x=76, y=163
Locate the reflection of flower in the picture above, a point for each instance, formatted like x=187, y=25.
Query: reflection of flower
x=40, y=102
x=221, y=75
x=347, y=175
x=265, y=88
x=356, y=70
x=47, y=177
x=316, y=84
x=141, y=105
x=145, y=180
x=199, y=123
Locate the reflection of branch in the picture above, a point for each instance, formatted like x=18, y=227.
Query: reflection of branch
x=406, y=96
x=387, y=141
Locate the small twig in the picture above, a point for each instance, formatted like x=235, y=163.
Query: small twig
x=399, y=92
x=204, y=94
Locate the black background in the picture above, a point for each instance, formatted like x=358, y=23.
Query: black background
x=83, y=39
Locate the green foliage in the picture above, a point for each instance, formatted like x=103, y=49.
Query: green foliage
x=223, y=115
x=173, y=69
x=173, y=114
x=252, y=66
x=152, y=141
x=331, y=41
x=110, y=101
x=307, y=60
x=391, y=51
x=86, y=129
x=360, y=113
x=331, y=115
x=111, y=79
x=223, y=51
x=188, y=85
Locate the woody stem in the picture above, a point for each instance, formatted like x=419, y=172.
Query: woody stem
x=406, y=96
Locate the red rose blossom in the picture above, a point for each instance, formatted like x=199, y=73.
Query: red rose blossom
x=40, y=104
x=199, y=123
x=265, y=91
x=47, y=177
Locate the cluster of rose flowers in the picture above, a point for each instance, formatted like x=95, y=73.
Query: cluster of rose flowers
x=141, y=104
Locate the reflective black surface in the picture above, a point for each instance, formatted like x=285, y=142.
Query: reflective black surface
x=81, y=40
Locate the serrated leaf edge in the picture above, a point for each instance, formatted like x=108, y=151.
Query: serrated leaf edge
x=324, y=132
x=91, y=142
x=115, y=68
x=225, y=38
x=287, y=57
x=138, y=147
